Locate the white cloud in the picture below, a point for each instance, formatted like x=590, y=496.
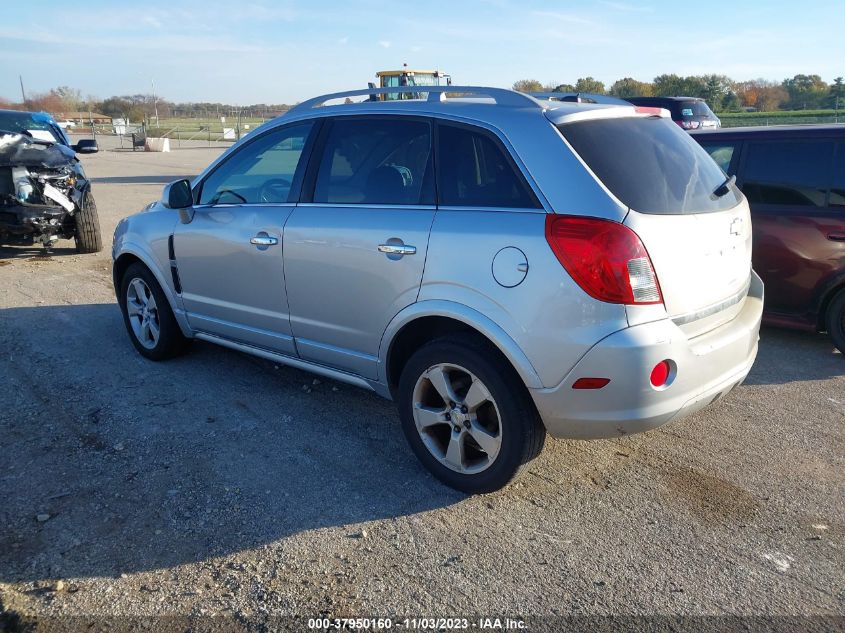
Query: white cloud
x=151, y=21
x=265, y=13
x=629, y=8
x=384, y=43
x=563, y=17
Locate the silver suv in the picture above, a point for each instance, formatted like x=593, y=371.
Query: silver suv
x=500, y=265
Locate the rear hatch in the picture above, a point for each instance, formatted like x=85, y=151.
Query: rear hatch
x=695, y=226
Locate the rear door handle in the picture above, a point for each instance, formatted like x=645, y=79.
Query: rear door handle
x=264, y=240
x=836, y=237
x=397, y=249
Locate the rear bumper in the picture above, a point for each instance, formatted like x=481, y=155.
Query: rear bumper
x=706, y=368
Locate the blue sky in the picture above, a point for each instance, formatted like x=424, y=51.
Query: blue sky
x=285, y=51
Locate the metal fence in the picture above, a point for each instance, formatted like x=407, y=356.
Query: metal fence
x=213, y=132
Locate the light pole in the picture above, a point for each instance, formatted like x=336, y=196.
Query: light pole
x=155, y=101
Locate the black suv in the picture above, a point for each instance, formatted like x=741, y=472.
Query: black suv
x=691, y=113
x=44, y=194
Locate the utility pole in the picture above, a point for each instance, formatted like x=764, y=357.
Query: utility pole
x=23, y=94
x=155, y=101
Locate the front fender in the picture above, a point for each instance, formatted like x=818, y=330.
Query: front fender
x=474, y=319
x=124, y=244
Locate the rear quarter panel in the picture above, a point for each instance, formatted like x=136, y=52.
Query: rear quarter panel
x=548, y=316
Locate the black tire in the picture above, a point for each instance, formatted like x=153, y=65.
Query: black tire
x=87, y=234
x=171, y=342
x=521, y=431
x=835, y=320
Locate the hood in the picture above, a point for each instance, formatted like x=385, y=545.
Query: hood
x=19, y=150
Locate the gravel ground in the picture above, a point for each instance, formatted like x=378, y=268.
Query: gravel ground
x=220, y=484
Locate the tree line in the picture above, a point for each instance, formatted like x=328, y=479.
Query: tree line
x=137, y=107
x=723, y=94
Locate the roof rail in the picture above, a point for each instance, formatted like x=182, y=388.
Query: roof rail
x=579, y=97
x=503, y=96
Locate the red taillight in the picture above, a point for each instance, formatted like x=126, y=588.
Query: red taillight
x=660, y=373
x=590, y=383
x=605, y=258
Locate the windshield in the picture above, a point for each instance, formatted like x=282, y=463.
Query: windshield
x=651, y=165
x=39, y=127
x=423, y=80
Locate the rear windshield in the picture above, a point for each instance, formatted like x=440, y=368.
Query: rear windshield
x=693, y=109
x=651, y=165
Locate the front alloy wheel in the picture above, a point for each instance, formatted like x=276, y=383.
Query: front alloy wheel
x=148, y=316
x=143, y=313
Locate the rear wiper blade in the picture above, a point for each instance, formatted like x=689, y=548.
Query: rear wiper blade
x=725, y=187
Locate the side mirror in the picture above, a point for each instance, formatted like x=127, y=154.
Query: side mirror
x=177, y=195
x=86, y=146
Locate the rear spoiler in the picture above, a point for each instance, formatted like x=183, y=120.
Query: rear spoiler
x=579, y=97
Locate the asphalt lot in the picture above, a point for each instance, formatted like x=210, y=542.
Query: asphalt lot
x=222, y=484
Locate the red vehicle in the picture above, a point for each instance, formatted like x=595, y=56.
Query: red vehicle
x=794, y=179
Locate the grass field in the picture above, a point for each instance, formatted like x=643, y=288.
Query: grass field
x=781, y=117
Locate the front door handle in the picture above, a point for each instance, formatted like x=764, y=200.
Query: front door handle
x=397, y=249
x=836, y=237
x=264, y=240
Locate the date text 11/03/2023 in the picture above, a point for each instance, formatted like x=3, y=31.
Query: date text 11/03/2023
x=417, y=624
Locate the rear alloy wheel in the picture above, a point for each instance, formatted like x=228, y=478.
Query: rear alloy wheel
x=836, y=321
x=457, y=418
x=148, y=316
x=466, y=415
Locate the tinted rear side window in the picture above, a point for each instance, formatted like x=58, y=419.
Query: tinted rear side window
x=650, y=164
x=376, y=161
x=722, y=153
x=474, y=170
x=794, y=173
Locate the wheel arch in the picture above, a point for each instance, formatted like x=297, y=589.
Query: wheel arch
x=129, y=256
x=426, y=320
x=831, y=290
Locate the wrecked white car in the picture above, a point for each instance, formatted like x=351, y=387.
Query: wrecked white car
x=44, y=194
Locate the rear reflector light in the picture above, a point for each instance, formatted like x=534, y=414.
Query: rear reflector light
x=590, y=383
x=606, y=259
x=660, y=373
